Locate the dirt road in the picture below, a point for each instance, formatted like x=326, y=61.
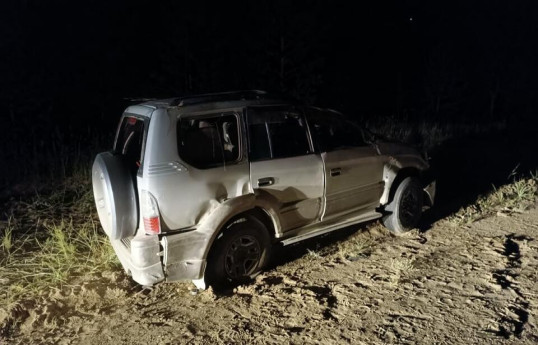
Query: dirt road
x=450, y=284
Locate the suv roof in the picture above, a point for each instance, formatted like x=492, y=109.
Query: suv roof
x=242, y=96
x=218, y=100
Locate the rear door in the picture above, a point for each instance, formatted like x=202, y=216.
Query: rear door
x=283, y=166
x=353, y=169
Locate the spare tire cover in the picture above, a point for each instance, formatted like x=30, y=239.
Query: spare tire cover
x=115, y=195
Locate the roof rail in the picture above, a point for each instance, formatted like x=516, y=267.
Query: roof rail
x=327, y=110
x=222, y=97
x=138, y=99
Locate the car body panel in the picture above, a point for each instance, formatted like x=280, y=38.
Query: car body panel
x=353, y=181
x=396, y=158
x=297, y=187
x=185, y=193
x=139, y=256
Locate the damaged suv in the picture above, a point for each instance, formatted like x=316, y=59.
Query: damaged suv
x=200, y=188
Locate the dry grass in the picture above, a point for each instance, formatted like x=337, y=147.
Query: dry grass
x=354, y=248
x=400, y=269
x=50, y=239
x=312, y=255
x=514, y=197
x=7, y=238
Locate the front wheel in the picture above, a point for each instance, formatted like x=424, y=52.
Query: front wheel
x=239, y=253
x=405, y=209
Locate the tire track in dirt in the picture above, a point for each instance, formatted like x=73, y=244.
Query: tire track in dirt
x=517, y=315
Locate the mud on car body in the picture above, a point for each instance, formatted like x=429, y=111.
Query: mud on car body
x=199, y=188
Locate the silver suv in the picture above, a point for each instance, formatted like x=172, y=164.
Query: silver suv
x=200, y=188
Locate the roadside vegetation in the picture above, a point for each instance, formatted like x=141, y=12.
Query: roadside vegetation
x=427, y=136
x=49, y=239
x=515, y=197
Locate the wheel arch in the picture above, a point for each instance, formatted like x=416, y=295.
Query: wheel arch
x=257, y=213
x=235, y=210
x=393, y=178
x=254, y=222
x=264, y=217
x=400, y=176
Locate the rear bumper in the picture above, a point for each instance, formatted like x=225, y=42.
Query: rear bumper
x=140, y=257
x=184, y=255
x=175, y=257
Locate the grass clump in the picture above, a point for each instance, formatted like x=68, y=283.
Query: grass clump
x=50, y=239
x=399, y=269
x=514, y=197
x=7, y=238
x=312, y=255
x=73, y=249
x=355, y=248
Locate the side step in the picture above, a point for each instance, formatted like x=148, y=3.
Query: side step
x=320, y=229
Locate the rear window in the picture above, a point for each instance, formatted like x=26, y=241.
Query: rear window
x=130, y=138
x=209, y=141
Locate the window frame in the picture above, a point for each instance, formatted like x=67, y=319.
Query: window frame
x=284, y=107
x=212, y=115
x=146, y=121
x=327, y=115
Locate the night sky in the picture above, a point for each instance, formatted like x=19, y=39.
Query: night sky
x=69, y=68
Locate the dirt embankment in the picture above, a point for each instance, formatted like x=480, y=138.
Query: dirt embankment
x=450, y=284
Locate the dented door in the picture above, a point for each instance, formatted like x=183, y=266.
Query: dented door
x=353, y=168
x=284, y=169
x=353, y=180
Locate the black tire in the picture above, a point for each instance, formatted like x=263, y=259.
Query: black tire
x=239, y=253
x=405, y=209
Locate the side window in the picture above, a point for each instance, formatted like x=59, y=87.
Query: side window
x=206, y=142
x=332, y=132
x=276, y=133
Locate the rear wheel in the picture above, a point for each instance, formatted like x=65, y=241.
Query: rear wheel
x=238, y=254
x=405, y=209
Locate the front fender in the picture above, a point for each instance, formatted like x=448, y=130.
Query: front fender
x=394, y=165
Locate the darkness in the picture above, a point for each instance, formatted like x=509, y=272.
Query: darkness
x=68, y=69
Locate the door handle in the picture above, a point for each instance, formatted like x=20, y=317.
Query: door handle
x=266, y=181
x=336, y=171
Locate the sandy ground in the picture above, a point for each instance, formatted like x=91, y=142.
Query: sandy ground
x=450, y=284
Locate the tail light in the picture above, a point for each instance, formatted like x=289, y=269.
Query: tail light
x=150, y=214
